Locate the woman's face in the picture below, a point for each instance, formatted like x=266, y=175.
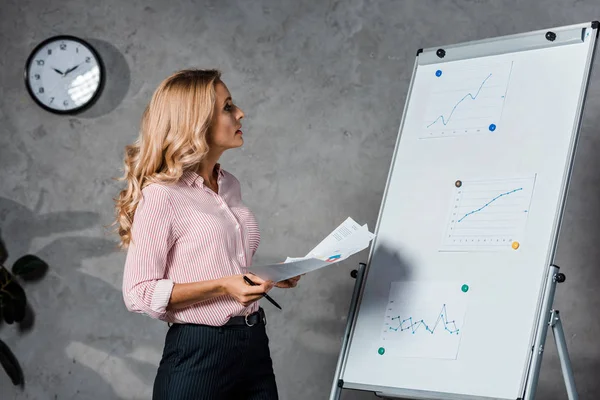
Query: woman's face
x=225, y=129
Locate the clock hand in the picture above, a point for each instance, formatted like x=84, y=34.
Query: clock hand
x=72, y=69
x=59, y=71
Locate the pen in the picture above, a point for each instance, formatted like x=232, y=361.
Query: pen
x=266, y=296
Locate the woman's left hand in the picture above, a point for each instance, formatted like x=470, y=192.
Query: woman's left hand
x=288, y=283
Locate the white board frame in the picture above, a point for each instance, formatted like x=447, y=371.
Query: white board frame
x=569, y=34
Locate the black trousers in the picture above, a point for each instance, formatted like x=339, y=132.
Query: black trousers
x=202, y=362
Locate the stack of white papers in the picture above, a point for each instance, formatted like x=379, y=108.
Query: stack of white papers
x=347, y=239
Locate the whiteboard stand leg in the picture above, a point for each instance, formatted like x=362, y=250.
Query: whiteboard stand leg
x=563, y=355
x=336, y=388
x=554, y=321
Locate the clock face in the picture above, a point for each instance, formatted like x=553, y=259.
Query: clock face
x=64, y=74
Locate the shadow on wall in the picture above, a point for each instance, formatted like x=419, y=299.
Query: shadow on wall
x=87, y=341
x=389, y=263
x=118, y=79
x=385, y=262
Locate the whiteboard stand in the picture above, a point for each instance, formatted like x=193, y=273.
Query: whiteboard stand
x=563, y=355
x=525, y=66
x=336, y=389
x=554, y=321
x=554, y=277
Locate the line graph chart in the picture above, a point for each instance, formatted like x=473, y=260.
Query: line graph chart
x=424, y=319
x=412, y=325
x=489, y=202
x=466, y=101
x=445, y=121
x=488, y=214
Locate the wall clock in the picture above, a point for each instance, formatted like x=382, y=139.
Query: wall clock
x=64, y=74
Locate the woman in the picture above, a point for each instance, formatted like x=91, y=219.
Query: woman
x=190, y=240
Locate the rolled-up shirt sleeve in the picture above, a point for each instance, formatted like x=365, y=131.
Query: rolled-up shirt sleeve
x=145, y=289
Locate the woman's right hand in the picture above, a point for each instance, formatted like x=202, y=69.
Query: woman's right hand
x=236, y=287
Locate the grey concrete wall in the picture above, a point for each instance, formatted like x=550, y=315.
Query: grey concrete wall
x=323, y=84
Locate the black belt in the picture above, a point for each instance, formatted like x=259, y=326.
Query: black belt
x=255, y=318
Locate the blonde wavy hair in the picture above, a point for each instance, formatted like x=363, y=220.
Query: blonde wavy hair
x=172, y=138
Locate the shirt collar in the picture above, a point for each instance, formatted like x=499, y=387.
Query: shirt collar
x=191, y=177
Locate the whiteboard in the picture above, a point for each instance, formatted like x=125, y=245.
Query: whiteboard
x=470, y=217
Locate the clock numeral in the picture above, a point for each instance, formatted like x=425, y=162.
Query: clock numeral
x=49, y=51
x=65, y=103
x=51, y=100
x=40, y=62
x=63, y=46
x=77, y=50
x=37, y=77
x=88, y=59
x=41, y=90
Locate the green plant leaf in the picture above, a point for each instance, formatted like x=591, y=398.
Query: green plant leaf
x=29, y=266
x=12, y=298
x=5, y=276
x=8, y=312
x=3, y=251
x=11, y=364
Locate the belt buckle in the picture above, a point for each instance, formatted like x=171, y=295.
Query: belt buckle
x=263, y=315
x=246, y=319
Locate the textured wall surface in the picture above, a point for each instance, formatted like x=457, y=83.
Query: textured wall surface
x=323, y=84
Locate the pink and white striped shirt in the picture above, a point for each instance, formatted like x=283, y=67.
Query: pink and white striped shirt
x=185, y=232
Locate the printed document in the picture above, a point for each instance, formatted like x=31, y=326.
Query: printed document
x=346, y=240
